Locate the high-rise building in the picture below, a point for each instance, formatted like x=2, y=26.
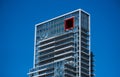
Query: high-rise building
x=62, y=47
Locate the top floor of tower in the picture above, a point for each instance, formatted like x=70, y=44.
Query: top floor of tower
x=71, y=21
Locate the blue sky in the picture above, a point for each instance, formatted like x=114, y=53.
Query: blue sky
x=18, y=17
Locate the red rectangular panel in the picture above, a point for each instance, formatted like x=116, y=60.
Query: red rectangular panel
x=69, y=23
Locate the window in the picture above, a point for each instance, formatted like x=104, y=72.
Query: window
x=69, y=23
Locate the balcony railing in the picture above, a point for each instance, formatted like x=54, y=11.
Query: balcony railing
x=49, y=39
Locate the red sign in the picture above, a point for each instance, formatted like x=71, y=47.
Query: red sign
x=69, y=23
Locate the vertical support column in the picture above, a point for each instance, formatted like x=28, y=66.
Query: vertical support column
x=89, y=46
x=79, y=43
x=35, y=46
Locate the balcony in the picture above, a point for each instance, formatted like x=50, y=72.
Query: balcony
x=57, y=46
x=52, y=50
x=66, y=58
x=53, y=59
x=71, y=70
x=84, y=74
x=87, y=59
x=56, y=41
x=56, y=37
x=85, y=33
x=44, y=74
x=68, y=75
x=85, y=56
x=64, y=48
x=85, y=38
x=71, y=67
x=63, y=54
x=65, y=39
x=84, y=43
x=64, y=45
x=50, y=43
x=43, y=58
x=56, y=52
x=82, y=52
x=83, y=65
x=85, y=70
x=84, y=48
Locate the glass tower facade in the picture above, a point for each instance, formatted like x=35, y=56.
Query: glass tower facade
x=62, y=47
